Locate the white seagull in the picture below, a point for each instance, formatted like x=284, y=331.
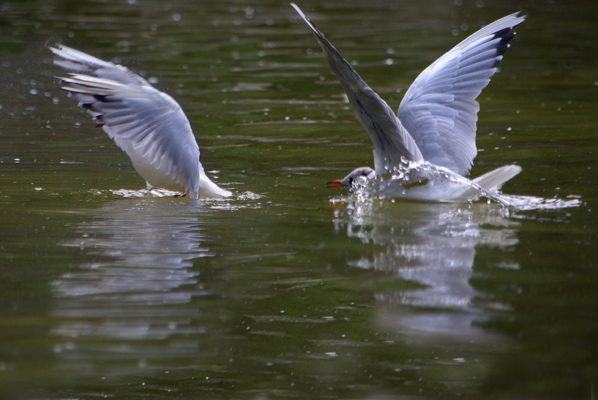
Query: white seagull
x=145, y=123
x=435, y=126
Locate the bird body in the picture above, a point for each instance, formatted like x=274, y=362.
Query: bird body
x=435, y=126
x=147, y=124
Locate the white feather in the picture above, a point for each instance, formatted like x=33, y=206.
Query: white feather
x=436, y=121
x=145, y=123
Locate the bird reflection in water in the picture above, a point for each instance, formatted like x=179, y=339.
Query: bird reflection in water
x=433, y=246
x=134, y=299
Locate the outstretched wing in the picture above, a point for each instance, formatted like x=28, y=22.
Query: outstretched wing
x=391, y=140
x=144, y=122
x=440, y=110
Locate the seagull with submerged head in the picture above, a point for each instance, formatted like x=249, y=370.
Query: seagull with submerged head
x=144, y=122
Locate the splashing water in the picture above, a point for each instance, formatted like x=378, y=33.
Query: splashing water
x=427, y=182
x=527, y=203
x=243, y=200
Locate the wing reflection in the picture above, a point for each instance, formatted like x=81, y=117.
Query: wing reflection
x=432, y=246
x=138, y=286
x=145, y=249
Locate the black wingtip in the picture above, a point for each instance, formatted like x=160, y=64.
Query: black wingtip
x=502, y=33
x=507, y=34
x=504, y=45
x=101, y=97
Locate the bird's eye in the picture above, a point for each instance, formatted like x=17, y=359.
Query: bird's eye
x=350, y=181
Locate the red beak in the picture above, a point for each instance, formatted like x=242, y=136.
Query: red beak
x=335, y=184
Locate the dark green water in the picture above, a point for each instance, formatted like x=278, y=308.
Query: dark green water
x=281, y=292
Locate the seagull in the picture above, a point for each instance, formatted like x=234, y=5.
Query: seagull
x=145, y=123
x=435, y=126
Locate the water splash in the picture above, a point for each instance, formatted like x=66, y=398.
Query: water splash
x=528, y=203
x=164, y=193
x=134, y=194
x=423, y=181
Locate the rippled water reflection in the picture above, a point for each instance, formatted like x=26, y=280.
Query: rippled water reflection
x=432, y=246
x=137, y=292
x=289, y=289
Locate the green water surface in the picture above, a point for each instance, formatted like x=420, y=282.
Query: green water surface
x=289, y=289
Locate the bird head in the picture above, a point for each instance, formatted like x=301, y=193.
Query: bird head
x=347, y=181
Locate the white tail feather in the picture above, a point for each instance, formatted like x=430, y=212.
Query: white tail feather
x=494, y=179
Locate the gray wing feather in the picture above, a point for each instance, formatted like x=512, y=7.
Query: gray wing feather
x=440, y=109
x=147, y=124
x=391, y=140
x=77, y=62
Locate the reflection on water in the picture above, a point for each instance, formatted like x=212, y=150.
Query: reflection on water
x=433, y=246
x=140, y=284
